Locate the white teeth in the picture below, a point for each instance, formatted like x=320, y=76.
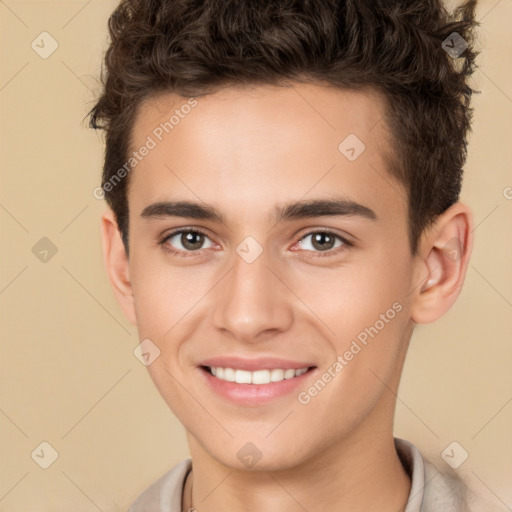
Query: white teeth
x=289, y=374
x=256, y=377
x=276, y=375
x=261, y=377
x=229, y=374
x=242, y=377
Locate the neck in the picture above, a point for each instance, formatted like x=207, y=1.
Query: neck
x=355, y=475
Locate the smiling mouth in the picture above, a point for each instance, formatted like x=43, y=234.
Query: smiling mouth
x=257, y=377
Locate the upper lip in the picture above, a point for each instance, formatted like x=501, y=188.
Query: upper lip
x=253, y=364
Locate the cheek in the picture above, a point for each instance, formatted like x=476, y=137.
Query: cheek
x=348, y=300
x=365, y=308
x=165, y=295
x=367, y=312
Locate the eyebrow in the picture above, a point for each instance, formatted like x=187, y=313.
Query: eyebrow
x=298, y=210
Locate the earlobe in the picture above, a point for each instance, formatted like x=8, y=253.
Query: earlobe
x=116, y=264
x=445, y=250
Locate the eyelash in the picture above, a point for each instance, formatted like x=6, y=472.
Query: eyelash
x=318, y=254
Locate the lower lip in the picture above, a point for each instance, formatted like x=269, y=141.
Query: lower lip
x=253, y=394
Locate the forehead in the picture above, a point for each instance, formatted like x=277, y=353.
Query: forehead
x=300, y=109
x=253, y=147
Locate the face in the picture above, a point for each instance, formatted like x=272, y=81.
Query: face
x=267, y=245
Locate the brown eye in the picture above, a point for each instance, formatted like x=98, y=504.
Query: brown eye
x=321, y=241
x=192, y=241
x=187, y=240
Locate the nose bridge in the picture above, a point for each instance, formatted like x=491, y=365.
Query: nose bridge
x=250, y=300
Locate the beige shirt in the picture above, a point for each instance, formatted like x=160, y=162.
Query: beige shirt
x=431, y=491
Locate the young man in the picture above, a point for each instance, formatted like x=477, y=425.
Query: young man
x=283, y=180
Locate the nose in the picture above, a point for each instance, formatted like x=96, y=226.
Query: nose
x=252, y=303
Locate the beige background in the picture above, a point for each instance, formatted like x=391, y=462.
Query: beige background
x=68, y=374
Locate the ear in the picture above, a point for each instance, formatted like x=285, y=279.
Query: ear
x=116, y=264
x=444, y=252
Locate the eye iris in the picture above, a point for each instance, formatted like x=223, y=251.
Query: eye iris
x=187, y=240
x=321, y=238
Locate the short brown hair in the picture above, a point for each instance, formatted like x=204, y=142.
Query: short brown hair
x=397, y=47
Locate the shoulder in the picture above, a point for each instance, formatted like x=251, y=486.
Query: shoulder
x=164, y=495
x=433, y=490
x=444, y=491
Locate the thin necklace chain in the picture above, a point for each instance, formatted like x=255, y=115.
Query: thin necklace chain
x=191, y=508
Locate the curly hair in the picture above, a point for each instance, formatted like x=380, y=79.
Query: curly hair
x=396, y=47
